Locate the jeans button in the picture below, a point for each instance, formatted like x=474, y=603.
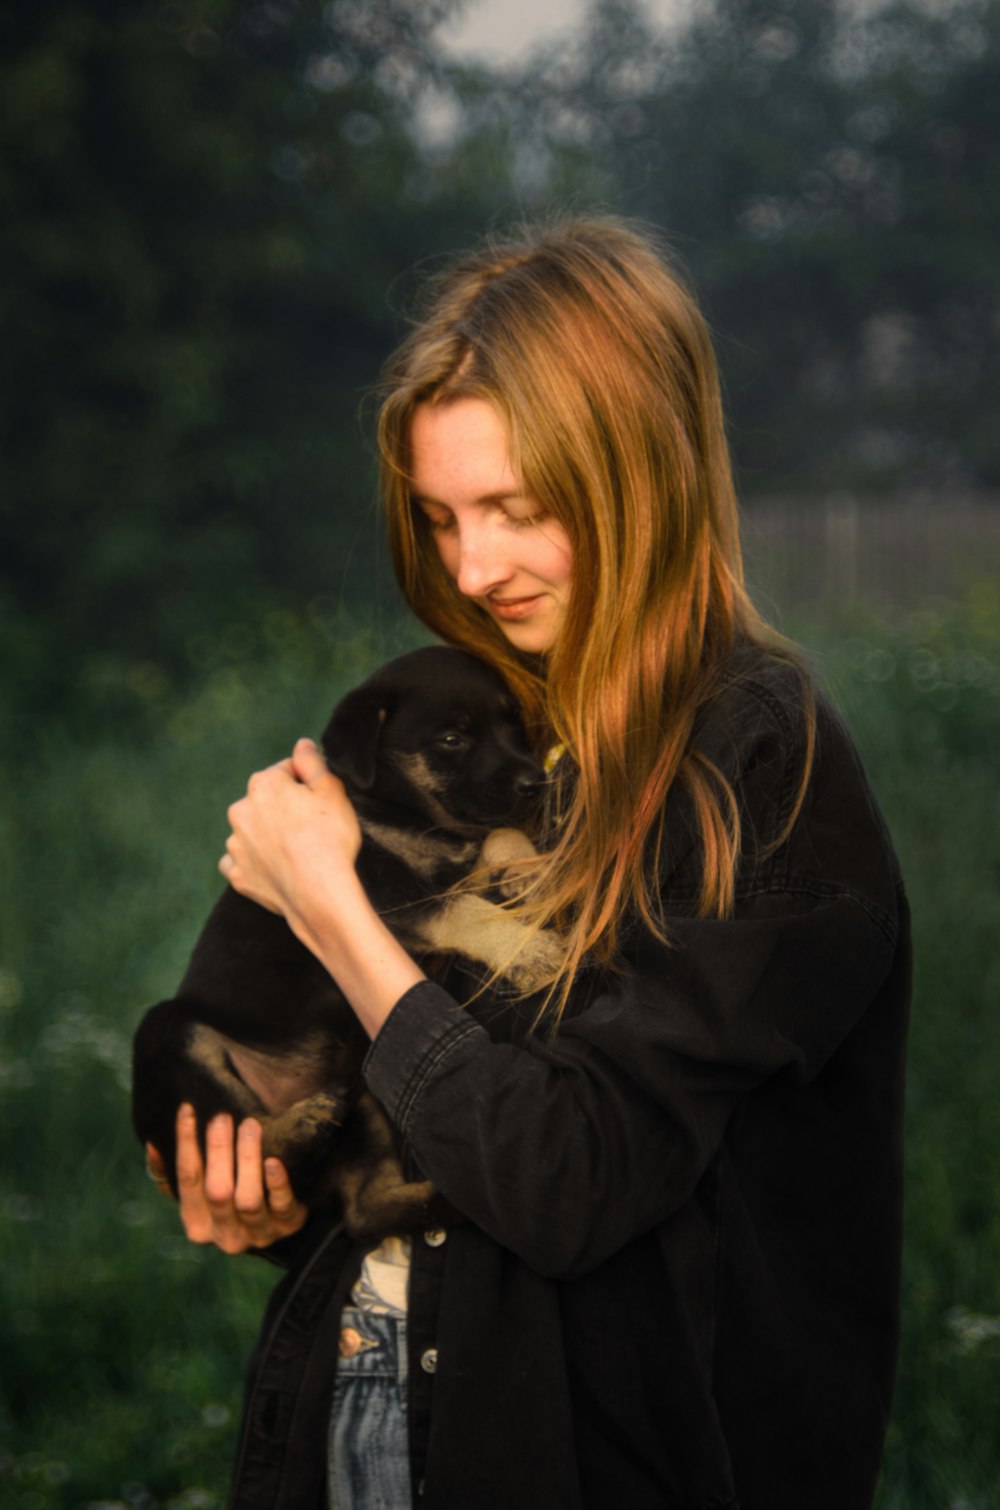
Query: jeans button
x=435, y=1237
x=429, y=1360
x=350, y=1342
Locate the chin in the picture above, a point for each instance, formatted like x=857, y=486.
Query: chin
x=534, y=639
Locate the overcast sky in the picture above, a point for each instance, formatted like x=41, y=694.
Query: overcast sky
x=504, y=30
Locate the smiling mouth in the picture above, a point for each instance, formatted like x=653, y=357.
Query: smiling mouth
x=513, y=608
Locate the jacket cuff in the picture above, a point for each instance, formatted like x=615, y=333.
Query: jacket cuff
x=424, y=1027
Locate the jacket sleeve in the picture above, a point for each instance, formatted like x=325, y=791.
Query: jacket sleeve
x=564, y=1151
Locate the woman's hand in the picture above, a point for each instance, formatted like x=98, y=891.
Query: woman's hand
x=293, y=849
x=234, y=1198
x=292, y=834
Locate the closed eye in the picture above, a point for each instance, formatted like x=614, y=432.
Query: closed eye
x=439, y=519
x=516, y=512
x=520, y=512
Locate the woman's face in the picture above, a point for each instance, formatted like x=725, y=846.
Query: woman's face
x=496, y=542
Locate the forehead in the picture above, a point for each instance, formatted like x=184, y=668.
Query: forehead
x=459, y=447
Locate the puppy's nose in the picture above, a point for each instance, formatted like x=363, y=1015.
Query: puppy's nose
x=528, y=786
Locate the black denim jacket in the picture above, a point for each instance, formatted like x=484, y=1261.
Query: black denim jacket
x=677, y=1286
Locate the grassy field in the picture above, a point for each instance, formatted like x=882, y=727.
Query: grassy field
x=122, y=1346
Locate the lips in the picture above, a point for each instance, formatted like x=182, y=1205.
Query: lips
x=513, y=608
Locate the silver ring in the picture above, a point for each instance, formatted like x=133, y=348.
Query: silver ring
x=159, y=1179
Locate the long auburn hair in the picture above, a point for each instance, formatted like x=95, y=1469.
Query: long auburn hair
x=586, y=341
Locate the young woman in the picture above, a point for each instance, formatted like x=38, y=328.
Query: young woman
x=676, y=1280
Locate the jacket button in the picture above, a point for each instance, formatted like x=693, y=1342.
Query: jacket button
x=429, y=1360
x=435, y=1237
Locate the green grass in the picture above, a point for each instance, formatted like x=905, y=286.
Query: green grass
x=122, y=1346
x=923, y=698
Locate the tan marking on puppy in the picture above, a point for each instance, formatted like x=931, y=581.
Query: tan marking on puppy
x=289, y=1120
x=482, y=931
x=422, y=853
x=261, y=1080
x=505, y=845
x=419, y=774
x=503, y=849
x=211, y=1050
x=301, y=1122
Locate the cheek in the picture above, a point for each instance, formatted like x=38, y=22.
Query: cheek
x=446, y=545
x=558, y=561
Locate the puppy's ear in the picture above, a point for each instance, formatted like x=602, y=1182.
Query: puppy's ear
x=351, y=738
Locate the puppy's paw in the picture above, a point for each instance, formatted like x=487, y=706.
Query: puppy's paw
x=297, y=1126
x=538, y=963
x=501, y=851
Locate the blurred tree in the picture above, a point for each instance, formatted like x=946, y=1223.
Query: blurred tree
x=828, y=171
x=204, y=203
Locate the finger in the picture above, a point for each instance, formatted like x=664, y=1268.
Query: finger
x=308, y=763
x=270, y=776
x=227, y=1229
x=248, y=1196
x=189, y=1165
x=220, y=1162
x=156, y=1169
x=287, y=1210
x=261, y=1224
x=195, y=1214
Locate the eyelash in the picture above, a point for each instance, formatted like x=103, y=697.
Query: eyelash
x=516, y=522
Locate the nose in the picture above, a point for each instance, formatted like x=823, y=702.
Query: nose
x=528, y=787
x=480, y=566
x=529, y=782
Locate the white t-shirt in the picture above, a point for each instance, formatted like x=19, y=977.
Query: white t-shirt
x=381, y=1287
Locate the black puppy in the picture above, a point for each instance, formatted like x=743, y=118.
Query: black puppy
x=433, y=756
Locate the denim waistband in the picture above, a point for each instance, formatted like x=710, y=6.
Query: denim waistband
x=372, y=1347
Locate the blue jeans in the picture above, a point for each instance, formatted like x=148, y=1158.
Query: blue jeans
x=368, y=1464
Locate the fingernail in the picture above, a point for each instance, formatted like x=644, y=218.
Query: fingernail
x=186, y=1112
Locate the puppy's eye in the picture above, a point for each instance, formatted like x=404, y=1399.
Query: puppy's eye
x=451, y=740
